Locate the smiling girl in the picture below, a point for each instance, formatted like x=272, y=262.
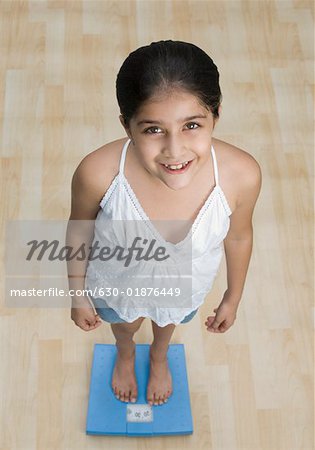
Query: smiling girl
x=169, y=168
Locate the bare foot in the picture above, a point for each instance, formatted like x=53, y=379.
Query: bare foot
x=124, y=382
x=160, y=382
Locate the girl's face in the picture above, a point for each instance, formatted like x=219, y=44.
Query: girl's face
x=172, y=129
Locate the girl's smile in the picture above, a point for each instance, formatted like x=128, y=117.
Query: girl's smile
x=176, y=146
x=177, y=168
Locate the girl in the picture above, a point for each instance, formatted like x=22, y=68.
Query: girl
x=169, y=168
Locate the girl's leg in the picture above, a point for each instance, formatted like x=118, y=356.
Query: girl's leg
x=160, y=381
x=124, y=382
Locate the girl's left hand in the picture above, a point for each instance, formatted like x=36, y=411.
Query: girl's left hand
x=224, y=318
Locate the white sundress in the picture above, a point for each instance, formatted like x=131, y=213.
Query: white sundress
x=190, y=265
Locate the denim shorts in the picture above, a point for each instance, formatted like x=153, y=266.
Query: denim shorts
x=109, y=315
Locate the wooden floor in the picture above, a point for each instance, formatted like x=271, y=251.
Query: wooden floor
x=251, y=388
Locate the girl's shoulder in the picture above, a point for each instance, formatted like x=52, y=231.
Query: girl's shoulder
x=92, y=178
x=239, y=172
x=102, y=164
x=106, y=157
x=230, y=153
x=234, y=161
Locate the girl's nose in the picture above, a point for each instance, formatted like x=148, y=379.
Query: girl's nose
x=174, y=149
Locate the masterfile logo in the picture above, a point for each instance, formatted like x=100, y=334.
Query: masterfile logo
x=144, y=264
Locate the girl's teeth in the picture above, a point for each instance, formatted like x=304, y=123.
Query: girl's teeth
x=179, y=166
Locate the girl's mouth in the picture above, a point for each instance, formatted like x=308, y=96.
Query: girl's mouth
x=181, y=168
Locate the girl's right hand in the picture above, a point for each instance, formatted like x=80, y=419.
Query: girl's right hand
x=85, y=317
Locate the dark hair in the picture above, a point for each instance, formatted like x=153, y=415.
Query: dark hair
x=164, y=65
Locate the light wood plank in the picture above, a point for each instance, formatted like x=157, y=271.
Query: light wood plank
x=251, y=388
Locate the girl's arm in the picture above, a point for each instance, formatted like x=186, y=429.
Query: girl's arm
x=238, y=246
x=238, y=243
x=86, y=193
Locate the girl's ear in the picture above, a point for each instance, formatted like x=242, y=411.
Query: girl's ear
x=218, y=118
x=122, y=121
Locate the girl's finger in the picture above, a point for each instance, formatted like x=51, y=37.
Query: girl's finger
x=215, y=324
x=209, y=322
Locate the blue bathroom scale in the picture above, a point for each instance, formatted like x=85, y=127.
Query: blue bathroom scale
x=109, y=416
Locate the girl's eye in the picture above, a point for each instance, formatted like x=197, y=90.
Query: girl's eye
x=193, y=123
x=149, y=130
x=152, y=130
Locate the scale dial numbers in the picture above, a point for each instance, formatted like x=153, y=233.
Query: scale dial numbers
x=139, y=413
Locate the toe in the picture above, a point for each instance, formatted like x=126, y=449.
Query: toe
x=152, y=399
x=133, y=396
x=149, y=397
x=116, y=392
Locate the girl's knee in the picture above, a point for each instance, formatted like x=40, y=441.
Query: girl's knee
x=170, y=326
x=137, y=323
x=128, y=327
